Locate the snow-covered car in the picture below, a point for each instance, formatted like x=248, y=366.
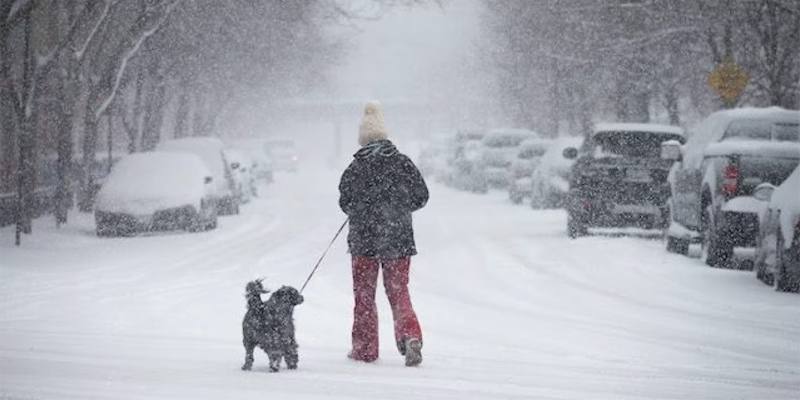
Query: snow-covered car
x=241, y=166
x=262, y=167
x=283, y=153
x=620, y=179
x=432, y=159
x=210, y=150
x=463, y=171
x=778, y=250
x=500, y=149
x=255, y=150
x=528, y=157
x=728, y=155
x=550, y=180
x=156, y=191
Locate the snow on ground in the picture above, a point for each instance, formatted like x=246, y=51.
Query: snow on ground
x=510, y=308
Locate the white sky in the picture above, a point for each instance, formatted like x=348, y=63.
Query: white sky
x=407, y=51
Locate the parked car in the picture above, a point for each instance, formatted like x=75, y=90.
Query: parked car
x=550, y=179
x=210, y=151
x=156, y=191
x=620, y=178
x=464, y=170
x=500, y=149
x=528, y=157
x=432, y=159
x=727, y=156
x=241, y=166
x=778, y=249
x=255, y=150
x=283, y=153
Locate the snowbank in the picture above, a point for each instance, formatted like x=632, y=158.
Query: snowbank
x=143, y=183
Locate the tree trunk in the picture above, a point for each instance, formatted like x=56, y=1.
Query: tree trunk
x=63, y=196
x=86, y=202
x=640, y=107
x=135, y=128
x=8, y=137
x=154, y=116
x=671, y=104
x=199, y=114
x=555, y=99
x=182, y=114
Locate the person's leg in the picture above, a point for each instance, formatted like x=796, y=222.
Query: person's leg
x=395, y=281
x=365, y=312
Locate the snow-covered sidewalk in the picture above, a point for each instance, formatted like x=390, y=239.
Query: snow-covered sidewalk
x=510, y=308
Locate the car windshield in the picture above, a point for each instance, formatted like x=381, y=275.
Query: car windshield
x=763, y=130
x=629, y=144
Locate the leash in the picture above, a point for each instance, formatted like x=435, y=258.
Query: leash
x=339, y=232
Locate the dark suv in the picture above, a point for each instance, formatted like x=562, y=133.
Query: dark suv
x=620, y=178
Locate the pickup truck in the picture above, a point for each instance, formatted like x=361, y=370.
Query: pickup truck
x=712, y=182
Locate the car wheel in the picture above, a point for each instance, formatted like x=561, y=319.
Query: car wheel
x=103, y=231
x=575, y=226
x=716, y=252
x=677, y=245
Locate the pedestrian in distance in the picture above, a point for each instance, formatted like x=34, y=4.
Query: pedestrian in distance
x=378, y=192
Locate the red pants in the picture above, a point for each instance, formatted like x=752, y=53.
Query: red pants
x=365, y=313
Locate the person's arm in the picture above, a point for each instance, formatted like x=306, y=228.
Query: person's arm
x=415, y=184
x=346, y=186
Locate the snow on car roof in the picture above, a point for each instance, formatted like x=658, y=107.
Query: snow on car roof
x=712, y=128
x=637, y=127
x=774, y=113
x=143, y=183
x=235, y=155
x=536, y=143
x=209, y=150
x=753, y=148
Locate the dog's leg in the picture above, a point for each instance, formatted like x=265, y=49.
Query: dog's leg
x=274, y=361
x=249, y=345
x=290, y=354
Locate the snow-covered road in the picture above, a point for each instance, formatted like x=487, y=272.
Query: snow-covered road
x=510, y=308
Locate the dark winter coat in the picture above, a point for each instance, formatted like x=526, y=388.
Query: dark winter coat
x=379, y=191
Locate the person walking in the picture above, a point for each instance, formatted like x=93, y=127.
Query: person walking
x=379, y=191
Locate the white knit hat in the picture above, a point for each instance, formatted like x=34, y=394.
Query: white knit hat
x=372, y=128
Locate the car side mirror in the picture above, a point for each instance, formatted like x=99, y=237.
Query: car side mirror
x=235, y=165
x=207, y=180
x=570, y=153
x=671, y=150
x=763, y=192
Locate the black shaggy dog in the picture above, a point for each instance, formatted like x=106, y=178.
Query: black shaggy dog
x=270, y=325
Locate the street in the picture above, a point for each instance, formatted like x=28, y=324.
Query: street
x=510, y=308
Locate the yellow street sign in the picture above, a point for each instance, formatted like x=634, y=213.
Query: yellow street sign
x=728, y=80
